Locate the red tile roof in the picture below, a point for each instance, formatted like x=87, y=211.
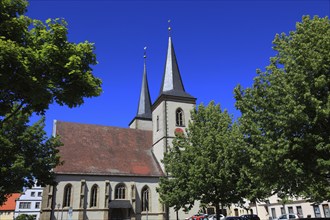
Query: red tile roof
x=10, y=203
x=105, y=150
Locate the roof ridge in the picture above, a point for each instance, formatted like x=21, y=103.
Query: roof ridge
x=98, y=125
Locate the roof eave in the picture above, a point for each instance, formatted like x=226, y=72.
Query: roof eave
x=173, y=98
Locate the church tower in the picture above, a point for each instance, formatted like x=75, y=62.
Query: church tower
x=143, y=117
x=171, y=110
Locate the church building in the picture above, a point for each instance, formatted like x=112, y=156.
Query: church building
x=113, y=173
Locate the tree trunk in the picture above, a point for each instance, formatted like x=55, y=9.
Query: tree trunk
x=217, y=210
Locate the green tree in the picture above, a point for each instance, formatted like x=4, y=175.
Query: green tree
x=174, y=191
x=205, y=164
x=38, y=67
x=25, y=217
x=26, y=154
x=285, y=114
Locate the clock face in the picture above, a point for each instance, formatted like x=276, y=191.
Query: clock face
x=178, y=131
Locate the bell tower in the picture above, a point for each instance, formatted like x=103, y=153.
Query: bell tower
x=171, y=110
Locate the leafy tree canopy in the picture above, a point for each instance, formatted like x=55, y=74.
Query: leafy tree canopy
x=38, y=67
x=26, y=154
x=173, y=190
x=285, y=114
x=24, y=217
x=205, y=163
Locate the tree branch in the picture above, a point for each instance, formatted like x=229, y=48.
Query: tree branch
x=12, y=114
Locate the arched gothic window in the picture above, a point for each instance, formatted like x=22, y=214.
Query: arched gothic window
x=179, y=117
x=120, y=191
x=67, y=195
x=145, y=194
x=94, y=190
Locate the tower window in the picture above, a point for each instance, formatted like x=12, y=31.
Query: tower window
x=120, y=192
x=67, y=195
x=179, y=117
x=93, y=202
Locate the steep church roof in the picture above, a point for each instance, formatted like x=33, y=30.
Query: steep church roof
x=105, y=150
x=172, y=83
x=144, y=107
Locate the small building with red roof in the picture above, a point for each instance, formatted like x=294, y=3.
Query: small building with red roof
x=7, y=210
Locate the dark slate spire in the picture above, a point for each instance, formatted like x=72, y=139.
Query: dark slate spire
x=172, y=82
x=144, y=108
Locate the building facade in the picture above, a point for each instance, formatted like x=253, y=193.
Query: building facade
x=274, y=207
x=29, y=202
x=7, y=210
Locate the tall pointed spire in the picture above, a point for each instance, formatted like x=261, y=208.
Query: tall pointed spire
x=144, y=107
x=172, y=82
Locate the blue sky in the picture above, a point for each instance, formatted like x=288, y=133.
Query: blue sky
x=218, y=44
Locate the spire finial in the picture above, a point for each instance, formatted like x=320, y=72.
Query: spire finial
x=169, y=27
x=145, y=53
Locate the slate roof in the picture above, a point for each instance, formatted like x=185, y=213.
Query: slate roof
x=104, y=150
x=10, y=204
x=144, y=107
x=172, y=81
